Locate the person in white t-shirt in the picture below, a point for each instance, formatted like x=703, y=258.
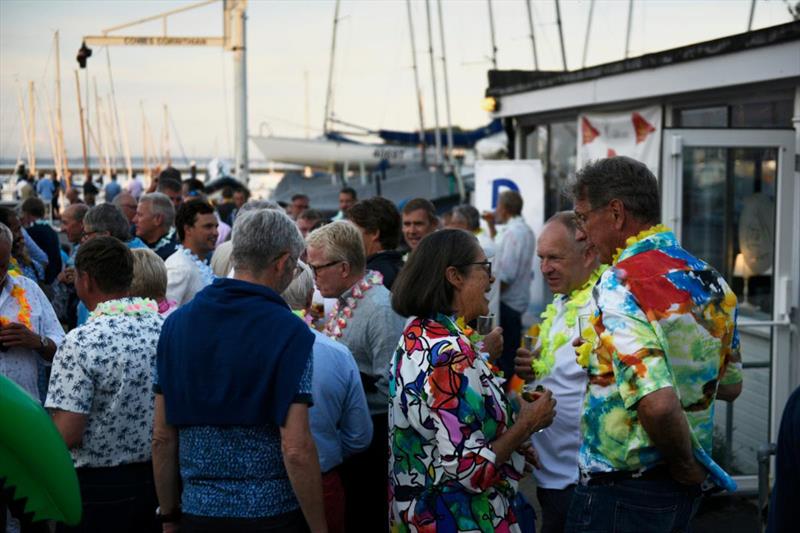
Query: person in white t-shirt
x=569, y=268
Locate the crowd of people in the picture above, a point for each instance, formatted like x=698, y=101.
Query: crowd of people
x=246, y=366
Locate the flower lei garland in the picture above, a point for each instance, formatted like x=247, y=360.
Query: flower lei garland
x=338, y=318
x=550, y=344
x=205, y=270
x=164, y=241
x=126, y=306
x=24, y=313
x=584, y=351
x=642, y=235
x=304, y=316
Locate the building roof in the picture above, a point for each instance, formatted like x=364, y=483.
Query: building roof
x=508, y=82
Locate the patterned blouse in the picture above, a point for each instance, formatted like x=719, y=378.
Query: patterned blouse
x=666, y=319
x=104, y=369
x=446, y=408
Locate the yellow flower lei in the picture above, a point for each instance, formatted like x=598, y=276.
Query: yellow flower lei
x=642, y=235
x=18, y=293
x=576, y=299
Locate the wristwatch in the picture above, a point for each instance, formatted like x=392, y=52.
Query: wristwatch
x=174, y=516
x=44, y=341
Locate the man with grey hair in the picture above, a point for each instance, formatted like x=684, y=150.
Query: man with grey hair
x=154, y=220
x=567, y=266
x=339, y=419
x=30, y=329
x=234, y=375
x=107, y=220
x=221, y=260
x=668, y=348
x=363, y=320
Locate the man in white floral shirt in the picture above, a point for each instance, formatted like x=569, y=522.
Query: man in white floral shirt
x=188, y=269
x=29, y=329
x=101, y=395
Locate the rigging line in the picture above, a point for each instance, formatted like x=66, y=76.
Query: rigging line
x=177, y=137
x=225, y=106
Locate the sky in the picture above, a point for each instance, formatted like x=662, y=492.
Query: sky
x=288, y=47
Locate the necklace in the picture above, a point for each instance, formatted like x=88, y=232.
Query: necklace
x=124, y=306
x=550, y=344
x=164, y=241
x=642, y=235
x=475, y=339
x=24, y=313
x=339, y=315
x=205, y=271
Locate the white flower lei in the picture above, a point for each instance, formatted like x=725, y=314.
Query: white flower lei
x=205, y=270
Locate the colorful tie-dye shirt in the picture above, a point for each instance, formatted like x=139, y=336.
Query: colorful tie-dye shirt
x=666, y=319
x=446, y=408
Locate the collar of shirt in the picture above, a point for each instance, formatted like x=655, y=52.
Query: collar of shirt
x=657, y=241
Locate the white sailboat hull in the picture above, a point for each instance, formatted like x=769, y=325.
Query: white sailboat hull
x=324, y=152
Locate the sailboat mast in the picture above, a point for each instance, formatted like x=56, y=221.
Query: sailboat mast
x=329, y=95
x=83, y=128
x=533, y=39
x=491, y=31
x=59, y=116
x=561, y=35
x=32, y=111
x=238, y=42
x=446, y=86
x=586, y=39
x=416, y=82
x=438, y=158
x=167, y=155
x=628, y=30
x=24, y=122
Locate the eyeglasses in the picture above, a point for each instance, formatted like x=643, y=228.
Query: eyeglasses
x=582, y=218
x=316, y=269
x=486, y=265
x=86, y=234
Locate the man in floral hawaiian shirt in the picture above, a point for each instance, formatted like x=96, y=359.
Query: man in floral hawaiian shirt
x=668, y=346
x=101, y=395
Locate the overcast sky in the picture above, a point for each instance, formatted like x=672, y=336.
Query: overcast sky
x=374, y=84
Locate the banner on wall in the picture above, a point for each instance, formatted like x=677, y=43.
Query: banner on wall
x=492, y=177
x=635, y=133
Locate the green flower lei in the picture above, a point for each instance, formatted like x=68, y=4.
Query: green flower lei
x=126, y=306
x=576, y=299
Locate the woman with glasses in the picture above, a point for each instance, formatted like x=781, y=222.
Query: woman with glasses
x=458, y=448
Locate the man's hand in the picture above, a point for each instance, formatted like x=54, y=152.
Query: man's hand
x=67, y=276
x=690, y=473
x=16, y=335
x=531, y=456
x=539, y=413
x=493, y=343
x=523, y=362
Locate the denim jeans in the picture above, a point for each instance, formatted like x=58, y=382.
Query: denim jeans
x=633, y=506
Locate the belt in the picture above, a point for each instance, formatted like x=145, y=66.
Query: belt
x=657, y=472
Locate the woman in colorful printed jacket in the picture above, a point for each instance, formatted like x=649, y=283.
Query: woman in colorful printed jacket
x=458, y=447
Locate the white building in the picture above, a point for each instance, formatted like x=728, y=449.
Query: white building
x=719, y=123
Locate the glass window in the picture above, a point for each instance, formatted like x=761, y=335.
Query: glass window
x=536, y=145
x=563, y=152
x=773, y=114
x=729, y=218
x=703, y=117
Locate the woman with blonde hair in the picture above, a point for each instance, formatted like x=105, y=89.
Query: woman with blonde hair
x=150, y=280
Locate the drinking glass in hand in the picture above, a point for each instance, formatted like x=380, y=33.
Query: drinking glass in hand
x=485, y=324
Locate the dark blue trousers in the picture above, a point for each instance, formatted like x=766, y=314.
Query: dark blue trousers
x=633, y=506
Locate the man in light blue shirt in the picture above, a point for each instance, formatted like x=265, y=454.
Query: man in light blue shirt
x=45, y=188
x=112, y=189
x=339, y=419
